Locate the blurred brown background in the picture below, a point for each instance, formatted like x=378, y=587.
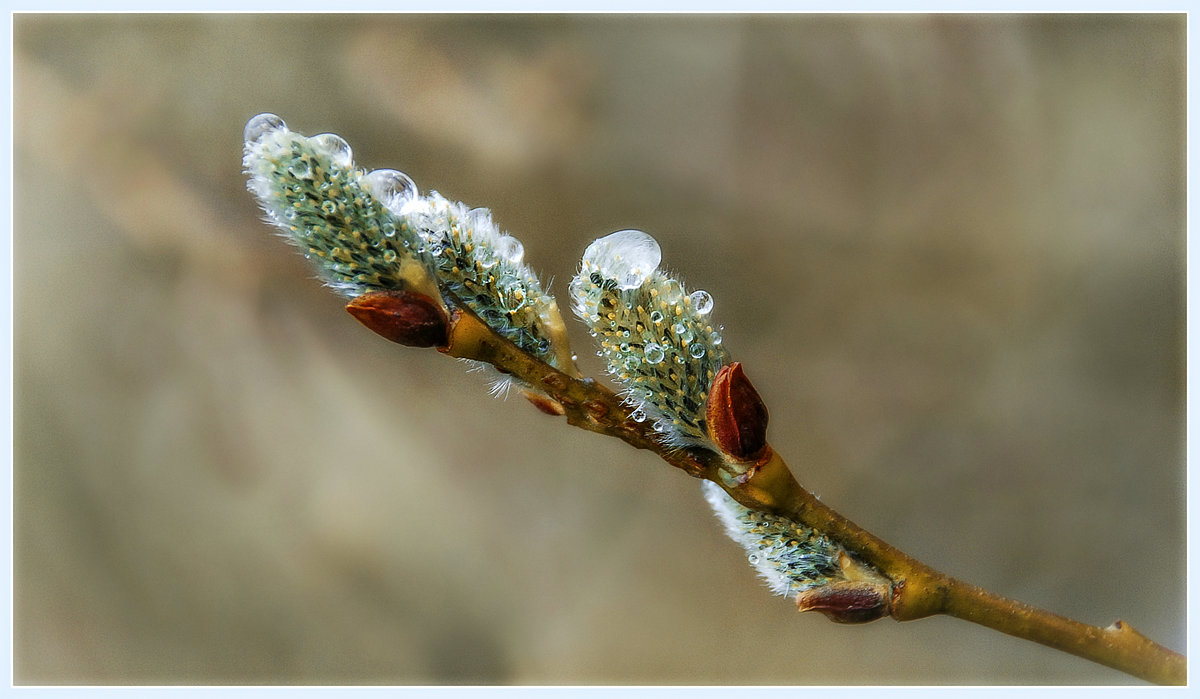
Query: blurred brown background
x=949, y=250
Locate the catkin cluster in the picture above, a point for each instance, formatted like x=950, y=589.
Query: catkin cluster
x=374, y=231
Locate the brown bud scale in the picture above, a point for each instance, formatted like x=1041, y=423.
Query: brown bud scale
x=406, y=317
x=847, y=602
x=736, y=415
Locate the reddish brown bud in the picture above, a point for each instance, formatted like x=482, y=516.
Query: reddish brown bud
x=406, y=317
x=544, y=403
x=848, y=602
x=736, y=415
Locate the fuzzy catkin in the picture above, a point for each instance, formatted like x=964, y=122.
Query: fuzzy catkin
x=484, y=270
x=310, y=189
x=656, y=338
x=790, y=557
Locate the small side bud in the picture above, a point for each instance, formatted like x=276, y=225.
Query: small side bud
x=545, y=404
x=847, y=602
x=736, y=415
x=406, y=317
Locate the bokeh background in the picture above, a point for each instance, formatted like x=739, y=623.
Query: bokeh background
x=948, y=249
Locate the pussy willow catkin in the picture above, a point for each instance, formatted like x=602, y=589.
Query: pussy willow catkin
x=658, y=340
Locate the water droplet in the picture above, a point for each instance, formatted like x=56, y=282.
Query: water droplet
x=543, y=345
x=509, y=249
x=638, y=415
x=696, y=350
x=391, y=188
x=388, y=228
x=753, y=558
x=301, y=169
x=328, y=207
x=653, y=353
x=624, y=346
x=702, y=301
x=656, y=317
x=716, y=338
x=629, y=257
x=335, y=147
x=260, y=125
x=389, y=255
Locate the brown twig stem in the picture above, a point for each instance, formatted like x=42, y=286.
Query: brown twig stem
x=917, y=590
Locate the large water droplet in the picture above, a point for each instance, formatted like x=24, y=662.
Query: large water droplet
x=696, y=350
x=391, y=188
x=335, y=147
x=262, y=124
x=656, y=317
x=638, y=415
x=629, y=257
x=653, y=353
x=301, y=169
x=509, y=249
x=702, y=301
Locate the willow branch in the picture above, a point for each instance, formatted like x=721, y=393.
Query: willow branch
x=426, y=272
